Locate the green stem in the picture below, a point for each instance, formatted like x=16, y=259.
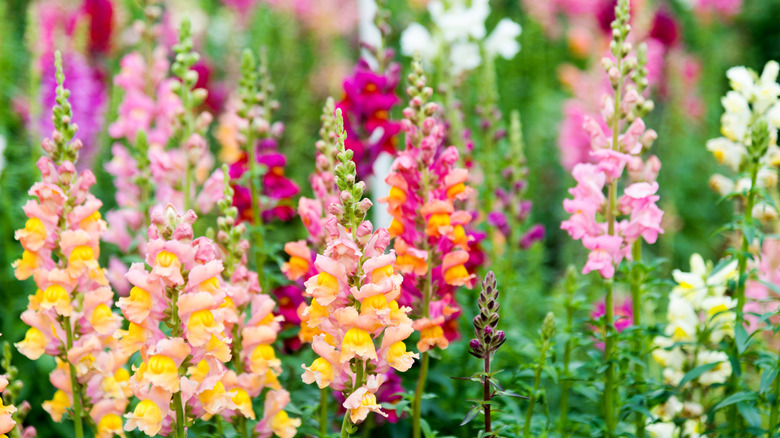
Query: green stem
x=180, y=433
x=609, y=377
x=734, y=416
x=427, y=292
x=636, y=299
x=345, y=425
x=486, y=392
x=566, y=384
x=256, y=215
x=324, y=413
x=743, y=255
x=609, y=381
x=775, y=405
x=529, y=414
x=417, y=405
x=75, y=385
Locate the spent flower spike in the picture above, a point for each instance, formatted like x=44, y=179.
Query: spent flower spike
x=70, y=315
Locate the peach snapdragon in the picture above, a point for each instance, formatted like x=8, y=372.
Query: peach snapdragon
x=178, y=325
x=70, y=314
x=354, y=303
x=253, y=328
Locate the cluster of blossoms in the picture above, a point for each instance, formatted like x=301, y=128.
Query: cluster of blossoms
x=369, y=97
x=460, y=37
x=354, y=301
x=183, y=292
x=314, y=213
x=430, y=235
x=616, y=146
x=148, y=168
x=248, y=138
x=749, y=148
x=699, y=317
x=70, y=315
x=670, y=68
x=254, y=363
x=512, y=208
x=753, y=98
x=145, y=121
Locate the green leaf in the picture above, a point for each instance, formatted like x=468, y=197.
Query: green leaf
x=775, y=288
x=741, y=336
x=750, y=413
x=470, y=415
x=734, y=398
x=696, y=373
x=767, y=377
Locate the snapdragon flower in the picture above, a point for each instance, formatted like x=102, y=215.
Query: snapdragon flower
x=253, y=328
x=354, y=302
x=753, y=98
x=617, y=145
x=369, y=97
x=70, y=315
x=700, y=315
x=429, y=228
x=182, y=290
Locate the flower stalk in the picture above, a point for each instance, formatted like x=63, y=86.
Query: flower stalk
x=548, y=330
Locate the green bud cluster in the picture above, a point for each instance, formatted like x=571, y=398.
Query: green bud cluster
x=62, y=146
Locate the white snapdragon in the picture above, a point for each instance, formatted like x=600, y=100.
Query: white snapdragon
x=459, y=31
x=751, y=98
x=700, y=315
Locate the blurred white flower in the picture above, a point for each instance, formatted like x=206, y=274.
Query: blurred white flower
x=503, y=40
x=741, y=80
x=672, y=358
x=459, y=21
x=417, y=39
x=694, y=428
x=368, y=31
x=721, y=184
x=720, y=317
x=720, y=373
x=464, y=56
x=668, y=410
x=459, y=30
x=661, y=430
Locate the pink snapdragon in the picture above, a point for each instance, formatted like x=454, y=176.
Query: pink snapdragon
x=151, y=172
x=635, y=213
